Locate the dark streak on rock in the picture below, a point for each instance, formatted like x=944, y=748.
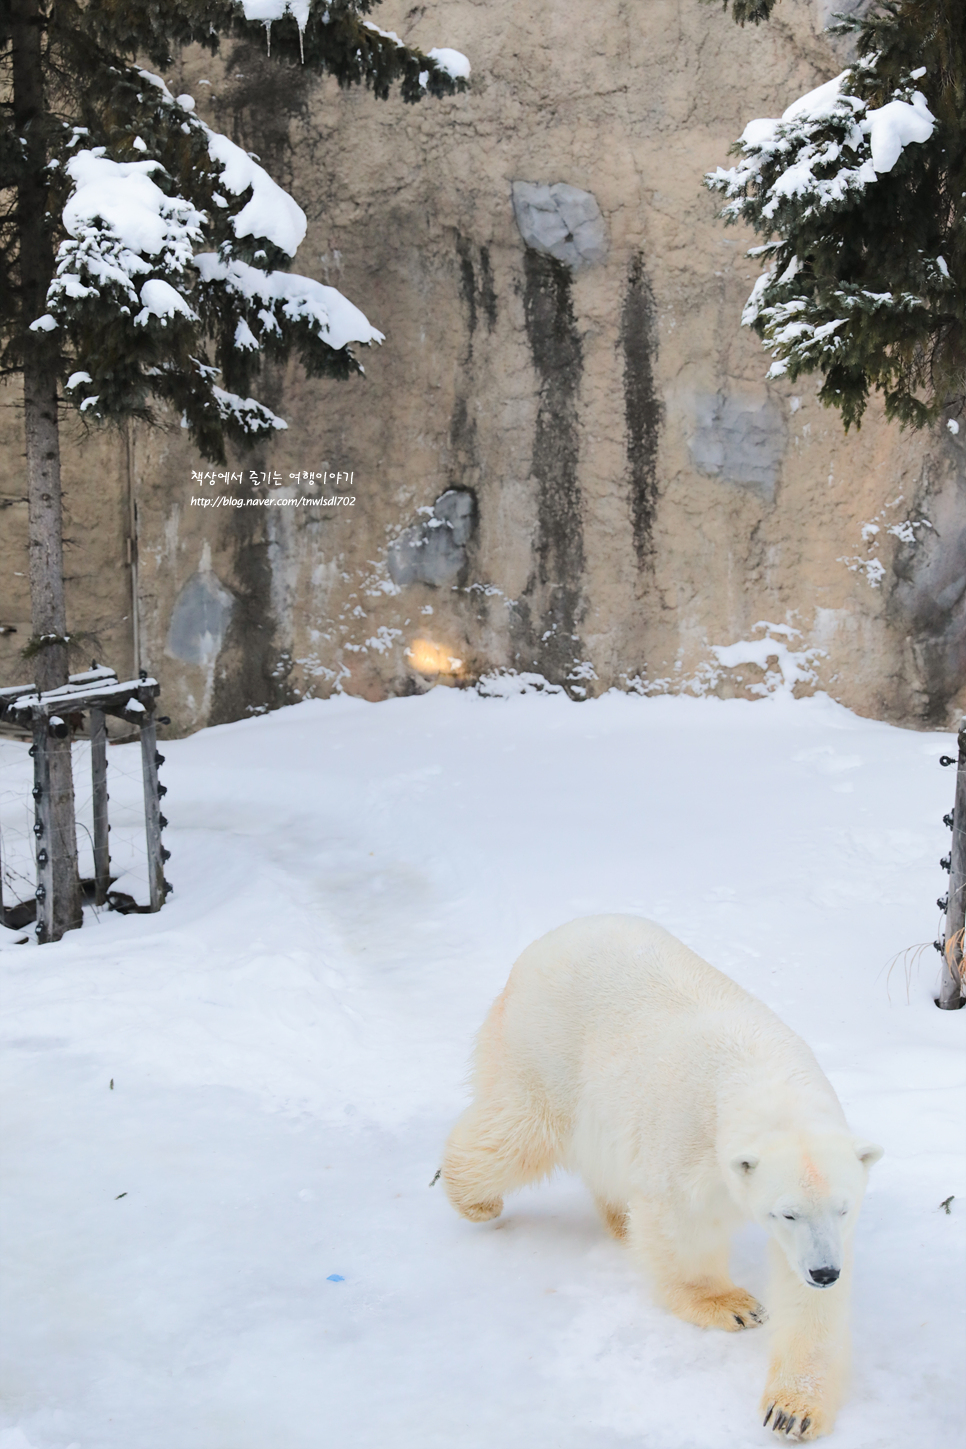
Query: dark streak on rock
x=487, y=289
x=464, y=462
x=642, y=407
x=251, y=675
x=467, y=285
x=549, y=626
x=477, y=295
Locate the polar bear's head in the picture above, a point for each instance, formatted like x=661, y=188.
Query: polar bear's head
x=805, y=1190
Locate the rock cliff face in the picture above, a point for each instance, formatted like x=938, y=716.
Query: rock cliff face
x=565, y=458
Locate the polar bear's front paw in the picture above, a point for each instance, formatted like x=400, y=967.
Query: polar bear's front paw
x=791, y=1415
x=733, y=1309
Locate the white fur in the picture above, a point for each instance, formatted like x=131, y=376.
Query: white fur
x=687, y=1107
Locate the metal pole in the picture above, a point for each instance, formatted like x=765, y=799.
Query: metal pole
x=42, y=830
x=102, y=851
x=951, y=990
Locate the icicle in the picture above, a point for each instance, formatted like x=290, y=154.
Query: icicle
x=300, y=11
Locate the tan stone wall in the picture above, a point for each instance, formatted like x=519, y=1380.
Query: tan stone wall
x=641, y=493
x=96, y=529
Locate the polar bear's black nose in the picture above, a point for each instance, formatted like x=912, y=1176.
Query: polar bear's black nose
x=823, y=1276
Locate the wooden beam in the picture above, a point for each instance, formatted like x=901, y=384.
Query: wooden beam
x=130, y=699
x=79, y=681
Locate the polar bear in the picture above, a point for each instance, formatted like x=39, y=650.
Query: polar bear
x=687, y=1107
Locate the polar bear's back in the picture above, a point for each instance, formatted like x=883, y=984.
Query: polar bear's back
x=614, y=1009
x=623, y=968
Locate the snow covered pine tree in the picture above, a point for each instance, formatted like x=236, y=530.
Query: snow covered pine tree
x=861, y=189
x=145, y=255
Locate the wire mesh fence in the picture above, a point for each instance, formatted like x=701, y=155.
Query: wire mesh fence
x=129, y=862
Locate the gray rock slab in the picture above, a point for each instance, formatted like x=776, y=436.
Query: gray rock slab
x=929, y=594
x=199, y=619
x=434, y=552
x=457, y=507
x=739, y=440
x=560, y=220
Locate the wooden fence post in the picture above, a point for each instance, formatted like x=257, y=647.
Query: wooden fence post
x=150, y=759
x=102, y=848
x=951, y=990
x=42, y=829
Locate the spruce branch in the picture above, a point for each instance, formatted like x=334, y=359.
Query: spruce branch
x=860, y=190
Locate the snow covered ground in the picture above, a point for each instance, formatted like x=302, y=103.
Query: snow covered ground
x=237, y=1247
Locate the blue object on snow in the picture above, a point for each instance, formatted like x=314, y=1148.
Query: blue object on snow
x=335, y=1278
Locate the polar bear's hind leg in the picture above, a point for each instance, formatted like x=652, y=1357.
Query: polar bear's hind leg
x=495, y=1148
x=614, y=1218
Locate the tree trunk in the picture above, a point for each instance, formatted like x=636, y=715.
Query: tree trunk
x=40, y=367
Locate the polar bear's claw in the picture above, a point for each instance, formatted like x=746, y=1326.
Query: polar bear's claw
x=792, y=1424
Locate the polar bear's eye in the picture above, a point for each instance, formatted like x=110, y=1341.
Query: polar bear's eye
x=791, y=1217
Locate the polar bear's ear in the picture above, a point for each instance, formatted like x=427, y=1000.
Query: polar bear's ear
x=868, y=1153
x=744, y=1165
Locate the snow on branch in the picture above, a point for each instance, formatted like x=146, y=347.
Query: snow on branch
x=121, y=199
x=268, y=10
x=250, y=416
x=451, y=62
x=446, y=65
x=827, y=144
x=270, y=213
x=177, y=241
x=283, y=295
